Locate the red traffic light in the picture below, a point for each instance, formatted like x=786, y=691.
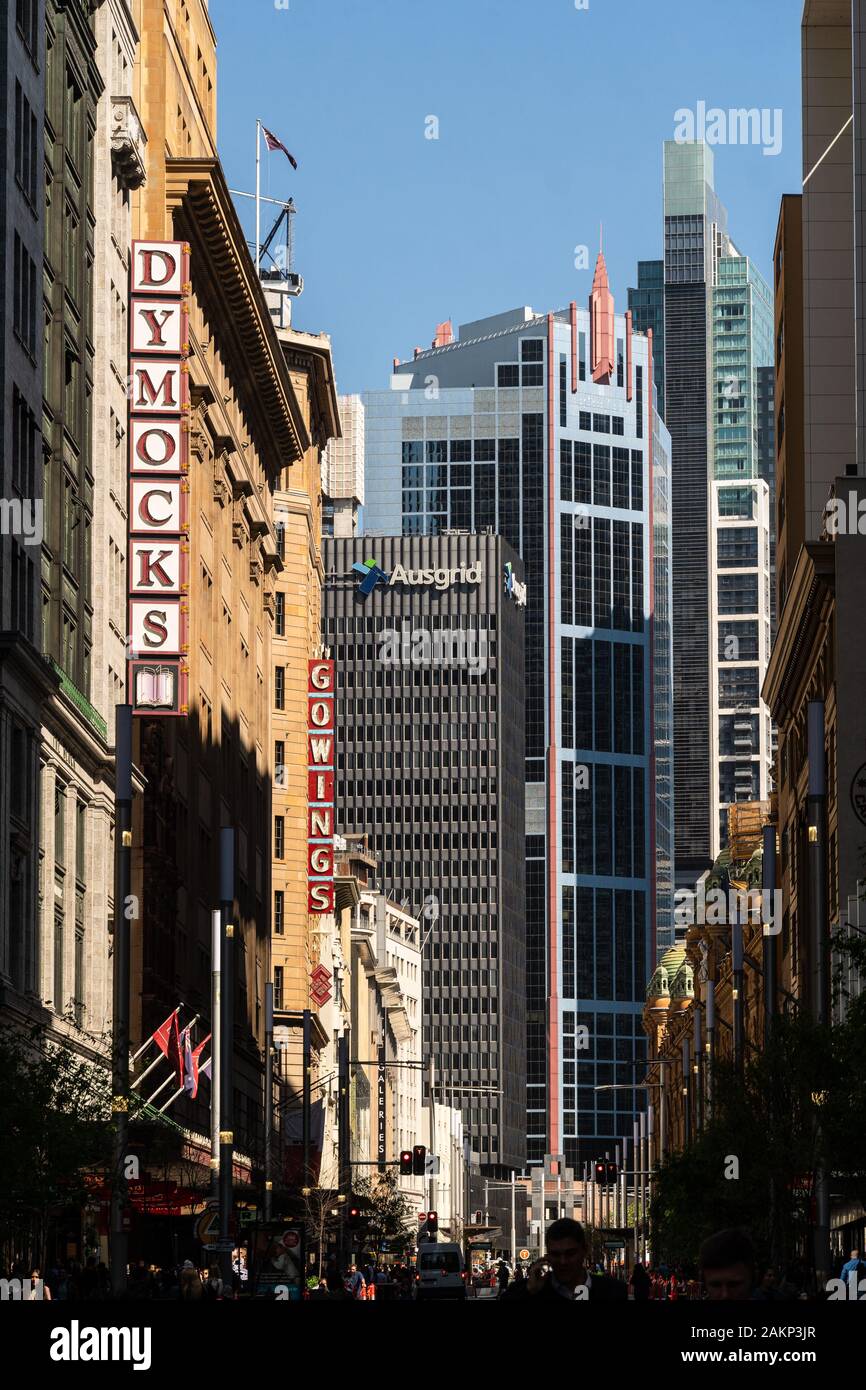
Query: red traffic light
x=600, y=1172
x=405, y=1163
x=432, y=1222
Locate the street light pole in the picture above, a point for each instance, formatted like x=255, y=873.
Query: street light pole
x=121, y=977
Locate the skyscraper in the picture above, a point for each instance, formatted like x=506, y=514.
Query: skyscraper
x=718, y=332
x=542, y=427
x=647, y=304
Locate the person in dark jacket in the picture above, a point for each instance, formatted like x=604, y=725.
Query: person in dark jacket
x=640, y=1282
x=563, y=1274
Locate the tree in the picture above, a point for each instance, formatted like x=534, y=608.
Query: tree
x=389, y=1211
x=798, y=1105
x=56, y=1121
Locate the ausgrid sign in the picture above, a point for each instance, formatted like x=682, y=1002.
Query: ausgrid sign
x=440, y=578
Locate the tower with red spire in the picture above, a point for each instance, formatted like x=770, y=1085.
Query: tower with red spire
x=601, y=324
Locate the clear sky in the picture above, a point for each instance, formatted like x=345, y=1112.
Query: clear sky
x=550, y=120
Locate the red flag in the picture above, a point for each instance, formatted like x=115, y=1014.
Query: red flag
x=162, y=1034
x=178, y=1050
x=274, y=144
x=192, y=1066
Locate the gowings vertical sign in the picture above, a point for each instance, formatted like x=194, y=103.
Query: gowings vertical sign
x=320, y=786
x=157, y=542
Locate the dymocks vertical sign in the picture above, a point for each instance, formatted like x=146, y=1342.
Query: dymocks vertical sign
x=158, y=487
x=320, y=786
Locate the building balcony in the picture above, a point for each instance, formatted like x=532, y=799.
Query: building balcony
x=128, y=142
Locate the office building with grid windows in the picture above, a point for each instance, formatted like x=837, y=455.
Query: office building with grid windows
x=543, y=428
x=426, y=633
x=719, y=339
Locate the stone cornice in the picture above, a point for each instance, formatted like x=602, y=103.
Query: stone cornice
x=804, y=614
x=205, y=216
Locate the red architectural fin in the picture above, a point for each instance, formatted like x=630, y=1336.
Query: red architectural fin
x=601, y=316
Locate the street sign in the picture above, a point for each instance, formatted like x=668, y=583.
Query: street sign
x=431, y=1165
x=523, y=1254
x=614, y=1244
x=207, y=1226
x=222, y=1247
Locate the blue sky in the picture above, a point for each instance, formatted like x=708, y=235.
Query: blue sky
x=551, y=120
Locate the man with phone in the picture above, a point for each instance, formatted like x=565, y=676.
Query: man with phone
x=563, y=1274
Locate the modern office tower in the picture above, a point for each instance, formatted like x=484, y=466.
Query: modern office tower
x=343, y=472
x=718, y=332
x=426, y=634
x=740, y=532
x=765, y=411
x=542, y=427
x=647, y=305
x=25, y=682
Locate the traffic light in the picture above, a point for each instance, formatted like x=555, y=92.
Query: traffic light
x=432, y=1222
x=611, y=1174
x=600, y=1172
x=406, y=1163
x=419, y=1160
x=353, y=1218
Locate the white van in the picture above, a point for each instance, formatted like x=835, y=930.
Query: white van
x=440, y=1271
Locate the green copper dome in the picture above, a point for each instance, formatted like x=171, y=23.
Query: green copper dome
x=673, y=977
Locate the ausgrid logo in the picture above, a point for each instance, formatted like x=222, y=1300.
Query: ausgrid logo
x=440, y=578
x=739, y=126
x=371, y=576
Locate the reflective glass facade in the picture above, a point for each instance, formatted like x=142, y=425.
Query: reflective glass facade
x=470, y=422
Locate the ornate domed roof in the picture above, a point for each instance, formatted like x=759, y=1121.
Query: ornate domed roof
x=673, y=977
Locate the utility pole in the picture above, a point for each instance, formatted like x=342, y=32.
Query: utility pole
x=514, y=1218
x=269, y=1099
x=227, y=1033
x=121, y=980
x=216, y=1063
x=817, y=858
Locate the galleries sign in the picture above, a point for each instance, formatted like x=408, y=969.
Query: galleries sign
x=320, y=786
x=158, y=488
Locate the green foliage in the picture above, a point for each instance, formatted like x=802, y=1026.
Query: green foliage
x=389, y=1210
x=56, y=1124
x=799, y=1105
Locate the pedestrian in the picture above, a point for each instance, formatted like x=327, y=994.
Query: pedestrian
x=853, y=1266
x=356, y=1282
x=640, y=1283
x=768, y=1290
x=504, y=1277
x=37, y=1293
x=727, y=1262
x=562, y=1273
x=213, y=1287
x=190, y=1283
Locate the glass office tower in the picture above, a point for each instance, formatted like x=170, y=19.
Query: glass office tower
x=647, y=304
x=543, y=429
x=718, y=333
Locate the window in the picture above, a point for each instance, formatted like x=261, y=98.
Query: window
x=279, y=687
x=280, y=615
x=638, y=379
x=279, y=837
x=563, y=390
x=27, y=22
x=581, y=369
x=737, y=547
x=24, y=296
x=279, y=913
x=26, y=146
x=278, y=987
x=507, y=374
x=279, y=763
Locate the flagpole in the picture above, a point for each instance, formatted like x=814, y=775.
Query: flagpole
x=146, y=1045
x=258, y=197
x=162, y=1056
